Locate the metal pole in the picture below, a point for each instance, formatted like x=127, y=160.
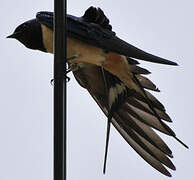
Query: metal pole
x=59, y=90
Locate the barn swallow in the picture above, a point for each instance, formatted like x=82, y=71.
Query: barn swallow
x=106, y=66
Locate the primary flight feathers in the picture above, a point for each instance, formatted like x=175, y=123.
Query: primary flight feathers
x=104, y=65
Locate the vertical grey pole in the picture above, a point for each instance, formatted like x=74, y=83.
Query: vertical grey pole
x=59, y=90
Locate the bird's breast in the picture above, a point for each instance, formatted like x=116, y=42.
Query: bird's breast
x=85, y=52
x=47, y=38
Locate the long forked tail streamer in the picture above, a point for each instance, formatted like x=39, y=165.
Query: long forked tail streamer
x=108, y=124
x=107, y=143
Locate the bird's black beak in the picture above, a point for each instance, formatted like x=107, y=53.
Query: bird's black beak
x=14, y=35
x=11, y=36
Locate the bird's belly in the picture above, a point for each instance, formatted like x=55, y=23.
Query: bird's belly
x=85, y=53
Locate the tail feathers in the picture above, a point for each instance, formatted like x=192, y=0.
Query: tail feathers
x=134, y=119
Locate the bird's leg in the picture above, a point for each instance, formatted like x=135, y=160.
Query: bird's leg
x=72, y=67
x=69, y=68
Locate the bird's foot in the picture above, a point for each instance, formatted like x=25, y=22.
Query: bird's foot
x=53, y=80
x=69, y=69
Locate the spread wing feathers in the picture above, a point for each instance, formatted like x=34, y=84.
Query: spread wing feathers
x=97, y=16
x=146, y=83
x=141, y=151
x=132, y=117
x=138, y=70
x=93, y=28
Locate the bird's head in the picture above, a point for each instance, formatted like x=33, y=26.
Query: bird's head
x=29, y=34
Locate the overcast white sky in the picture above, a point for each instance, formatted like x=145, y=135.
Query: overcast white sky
x=162, y=27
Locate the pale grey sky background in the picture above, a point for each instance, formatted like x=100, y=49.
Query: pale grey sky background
x=163, y=27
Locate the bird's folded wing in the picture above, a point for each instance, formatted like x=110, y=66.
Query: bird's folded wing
x=133, y=118
x=99, y=35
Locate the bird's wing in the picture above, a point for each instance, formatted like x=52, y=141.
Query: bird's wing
x=98, y=32
x=132, y=117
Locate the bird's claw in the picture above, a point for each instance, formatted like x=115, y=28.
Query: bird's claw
x=67, y=79
x=69, y=69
